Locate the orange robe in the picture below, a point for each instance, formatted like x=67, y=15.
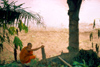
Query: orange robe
x=25, y=56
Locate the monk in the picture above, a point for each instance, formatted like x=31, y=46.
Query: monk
x=26, y=53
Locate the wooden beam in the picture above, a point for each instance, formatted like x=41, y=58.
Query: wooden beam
x=64, y=61
x=43, y=53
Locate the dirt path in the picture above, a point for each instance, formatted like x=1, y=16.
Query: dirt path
x=55, y=41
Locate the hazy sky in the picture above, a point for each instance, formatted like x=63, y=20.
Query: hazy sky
x=89, y=11
x=55, y=12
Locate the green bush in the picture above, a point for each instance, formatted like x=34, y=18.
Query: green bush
x=90, y=58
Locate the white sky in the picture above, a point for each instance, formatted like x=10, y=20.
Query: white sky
x=55, y=12
x=90, y=10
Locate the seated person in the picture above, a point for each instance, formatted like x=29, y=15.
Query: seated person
x=26, y=53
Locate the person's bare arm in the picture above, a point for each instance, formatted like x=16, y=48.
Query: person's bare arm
x=35, y=48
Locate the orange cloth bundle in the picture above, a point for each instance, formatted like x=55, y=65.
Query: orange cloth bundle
x=25, y=56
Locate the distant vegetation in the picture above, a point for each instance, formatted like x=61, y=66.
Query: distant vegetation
x=92, y=37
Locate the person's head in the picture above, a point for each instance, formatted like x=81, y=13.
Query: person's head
x=29, y=45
